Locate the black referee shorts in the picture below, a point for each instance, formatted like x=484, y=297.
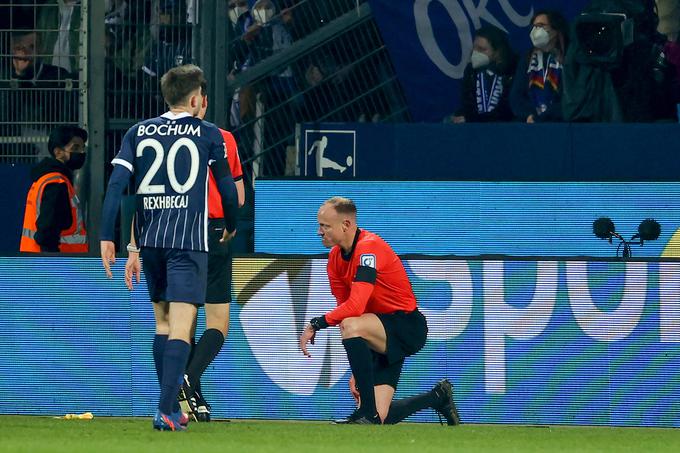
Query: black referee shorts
x=406, y=335
x=219, y=265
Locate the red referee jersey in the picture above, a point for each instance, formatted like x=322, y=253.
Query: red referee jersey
x=372, y=279
x=215, y=210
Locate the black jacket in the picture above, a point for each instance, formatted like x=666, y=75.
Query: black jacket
x=468, y=107
x=55, y=207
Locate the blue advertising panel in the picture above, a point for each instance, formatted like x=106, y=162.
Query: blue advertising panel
x=430, y=42
x=489, y=152
x=469, y=218
x=524, y=342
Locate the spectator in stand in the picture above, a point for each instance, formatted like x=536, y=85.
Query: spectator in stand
x=59, y=25
x=537, y=87
x=271, y=36
x=172, y=38
x=485, y=94
x=34, y=94
x=240, y=21
x=328, y=90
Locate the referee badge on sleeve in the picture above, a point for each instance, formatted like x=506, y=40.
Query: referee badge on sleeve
x=368, y=260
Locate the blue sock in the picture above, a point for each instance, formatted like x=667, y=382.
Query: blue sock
x=174, y=363
x=159, y=342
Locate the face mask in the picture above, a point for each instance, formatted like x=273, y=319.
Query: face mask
x=539, y=37
x=235, y=13
x=262, y=16
x=76, y=161
x=479, y=59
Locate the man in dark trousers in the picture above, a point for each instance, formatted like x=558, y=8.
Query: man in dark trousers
x=53, y=220
x=378, y=318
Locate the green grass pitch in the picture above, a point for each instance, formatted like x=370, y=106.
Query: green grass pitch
x=103, y=435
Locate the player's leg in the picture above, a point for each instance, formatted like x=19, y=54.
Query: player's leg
x=156, y=278
x=383, y=400
x=160, y=339
x=406, y=335
x=176, y=353
x=367, y=326
x=440, y=398
x=207, y=348
x=155, y=271
x=210, y=344
x=361, y=335
x=218, y=296
x=186, y=289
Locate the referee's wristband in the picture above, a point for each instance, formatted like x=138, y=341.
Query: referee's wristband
x=318, y=323
x=132, y=248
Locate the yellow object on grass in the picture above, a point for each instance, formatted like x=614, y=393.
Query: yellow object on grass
x=83, y=416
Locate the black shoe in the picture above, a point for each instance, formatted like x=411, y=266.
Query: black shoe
x=347, y=420
x=202, y=408
x=444, y=404
x=367, y=420
x=187, y=400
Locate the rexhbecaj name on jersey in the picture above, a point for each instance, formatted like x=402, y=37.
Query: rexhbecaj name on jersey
x=169, y=129
x=166, y=202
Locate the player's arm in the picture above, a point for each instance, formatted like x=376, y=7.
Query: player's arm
x=119, y=180
x=114, y=193
x=228, y=193
x=240, y=192
x=219, y=165
x=133, y=266
x=234, y=161
x=355, y=303
x=339, y=290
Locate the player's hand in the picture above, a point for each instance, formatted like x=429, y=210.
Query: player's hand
x=458, y=119
x=531, y=119
x=108, y=249
x=226, y=236
x=354, y=390
x=307, y=337
x=133, y=269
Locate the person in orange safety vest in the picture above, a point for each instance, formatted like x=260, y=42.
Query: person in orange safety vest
x=53, y=220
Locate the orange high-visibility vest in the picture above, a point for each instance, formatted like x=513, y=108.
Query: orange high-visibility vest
x=74, y=238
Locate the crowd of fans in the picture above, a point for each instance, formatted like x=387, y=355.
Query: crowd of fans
x=558, y=79
x=601, y=74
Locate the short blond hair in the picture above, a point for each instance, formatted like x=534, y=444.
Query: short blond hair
x=342, y=205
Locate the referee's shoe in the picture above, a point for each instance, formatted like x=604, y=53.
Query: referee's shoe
x=187, y=400
x=202, y=407
x=444, y=404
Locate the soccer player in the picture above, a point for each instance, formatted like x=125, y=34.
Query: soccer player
x=378, y=318
x=169, y=157
x=218, y=296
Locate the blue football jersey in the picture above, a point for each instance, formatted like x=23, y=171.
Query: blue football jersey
x=169, y=157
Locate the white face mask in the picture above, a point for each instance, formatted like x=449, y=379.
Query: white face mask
x=262, y=16
x=479, y=59
x=235, y=13
x=540, y=38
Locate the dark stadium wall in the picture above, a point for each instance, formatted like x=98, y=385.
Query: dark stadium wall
x=12, y=203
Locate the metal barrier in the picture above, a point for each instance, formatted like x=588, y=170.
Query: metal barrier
x=43, y=51
x=337, y=69
x=310, y=61
x=143, y=40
